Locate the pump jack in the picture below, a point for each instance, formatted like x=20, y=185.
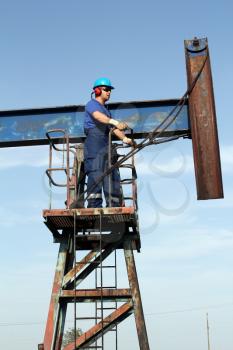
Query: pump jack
x=101, y=232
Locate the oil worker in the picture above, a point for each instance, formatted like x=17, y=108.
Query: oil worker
x=97, y=124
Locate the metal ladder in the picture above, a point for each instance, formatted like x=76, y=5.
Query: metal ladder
x=99, y=307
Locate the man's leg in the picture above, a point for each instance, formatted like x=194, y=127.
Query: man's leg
x=94, y=189
x=115, y=197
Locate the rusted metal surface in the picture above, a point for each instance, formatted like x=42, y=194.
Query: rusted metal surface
x=96, y=262
x=118, y=221
x=79, y=266
x=89, y=211
x=70, y=277
x=51, y=337
x=136, y=297
x=203, y=121
x=66, y=151
x=92, y=295
x=96, y=331
x=90, y=217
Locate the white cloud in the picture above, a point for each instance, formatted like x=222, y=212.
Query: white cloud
x=227, y=158
x=13, y=218
x=173, y=162
x=189, y=244
x=226, y=202
x=165, y=162
x=34, y=156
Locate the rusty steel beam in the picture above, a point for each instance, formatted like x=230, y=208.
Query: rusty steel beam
x=136, y=296
x=92, y=295
x=56, y=314
x=69, y=277
x=96, y=331
x=203, y=121
x=96, y=262
x=85, y=212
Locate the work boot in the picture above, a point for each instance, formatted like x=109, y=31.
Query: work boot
x=76, y=204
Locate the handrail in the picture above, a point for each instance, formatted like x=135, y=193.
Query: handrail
x=127, y=181
x=66, y=149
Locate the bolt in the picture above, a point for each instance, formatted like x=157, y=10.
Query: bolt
x=196, y=42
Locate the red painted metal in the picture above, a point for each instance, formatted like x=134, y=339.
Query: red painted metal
x=203, y=121
x=91, y=295
x=79, y=266
x=50, y=337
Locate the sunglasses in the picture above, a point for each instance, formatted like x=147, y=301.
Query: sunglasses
x=106, y=89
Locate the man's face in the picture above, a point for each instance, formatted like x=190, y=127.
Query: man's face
x=106, y=92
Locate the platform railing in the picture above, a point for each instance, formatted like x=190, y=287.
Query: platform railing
x=131, y=180
x=66, y=151
x=73, y=167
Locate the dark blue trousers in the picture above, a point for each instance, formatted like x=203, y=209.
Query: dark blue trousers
x=95, y=164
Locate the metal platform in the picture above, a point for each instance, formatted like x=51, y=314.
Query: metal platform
x=114, y=224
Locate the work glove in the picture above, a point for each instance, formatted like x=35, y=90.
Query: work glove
x=129, y=141
x=118, y=124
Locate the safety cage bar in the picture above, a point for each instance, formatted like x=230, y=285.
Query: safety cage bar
x=75, y=177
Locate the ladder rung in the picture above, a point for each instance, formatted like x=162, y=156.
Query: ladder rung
x=129, y=166
x=126, y=182
x=88, y=318
x=106, y=308
x=106, y=287
x=94, y=347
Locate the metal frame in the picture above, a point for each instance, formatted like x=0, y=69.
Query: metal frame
x=116, y=106
x=69, y=276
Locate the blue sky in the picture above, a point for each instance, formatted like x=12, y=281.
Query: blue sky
x=51, y=52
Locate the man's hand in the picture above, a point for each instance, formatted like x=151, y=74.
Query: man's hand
x=119, y=125
x=122, y=126
x=129, y=141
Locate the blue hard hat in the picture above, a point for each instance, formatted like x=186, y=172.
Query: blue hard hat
x=103, y=82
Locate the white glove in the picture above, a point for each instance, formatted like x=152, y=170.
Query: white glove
x=113, y=122
x=127, y=140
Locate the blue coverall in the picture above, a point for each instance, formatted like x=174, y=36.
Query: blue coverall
x=96, y=159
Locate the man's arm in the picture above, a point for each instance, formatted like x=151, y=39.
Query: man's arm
x=121, y=135
x=103, y=118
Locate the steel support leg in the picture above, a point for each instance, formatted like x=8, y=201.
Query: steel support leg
x=56, y=315
x=136, y=296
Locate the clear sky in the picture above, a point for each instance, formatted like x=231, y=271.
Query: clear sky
x=51, y=52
